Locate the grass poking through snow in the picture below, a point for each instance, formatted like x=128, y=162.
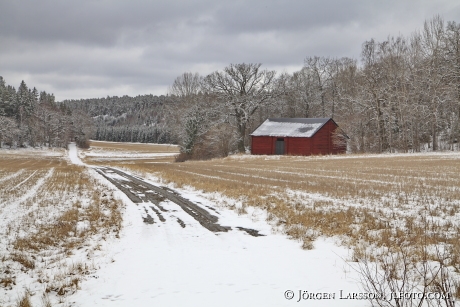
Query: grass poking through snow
x=53, y=215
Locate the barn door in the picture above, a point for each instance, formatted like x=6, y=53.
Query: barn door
x=279, y=147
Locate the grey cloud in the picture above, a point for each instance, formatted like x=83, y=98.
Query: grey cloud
x=104, y=47
x=95, y=22
x=103, y=22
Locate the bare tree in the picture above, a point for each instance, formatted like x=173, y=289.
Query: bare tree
x=243, y=88
x=186, y=85
x=375, y=96
x=453, y=66
x=434, y=72
x=303, y=91
x=318, y=68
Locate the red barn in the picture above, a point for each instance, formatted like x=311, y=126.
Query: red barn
x=295, y=136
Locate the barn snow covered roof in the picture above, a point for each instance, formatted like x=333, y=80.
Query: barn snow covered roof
x=290, y=127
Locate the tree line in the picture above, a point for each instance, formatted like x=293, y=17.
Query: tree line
x=30, y=118
x=402, y=96
x=126, y=119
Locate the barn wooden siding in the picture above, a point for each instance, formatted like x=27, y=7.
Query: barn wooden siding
x=319, y=144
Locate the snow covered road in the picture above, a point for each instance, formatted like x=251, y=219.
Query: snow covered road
x=73, y=154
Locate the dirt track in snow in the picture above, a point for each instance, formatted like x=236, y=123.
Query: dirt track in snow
x=139, y=191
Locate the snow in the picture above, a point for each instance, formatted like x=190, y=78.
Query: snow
x=83, y=225
x=291, y=127
x=34, y=202
x=73, y=154
x=25, y=180
x=14, y=205
x=40, y=151
x=115, y=176
x=436, y=155
x=102, y=154
x=11, y=176
x=166, y=265
x=111, y=155
x=163, y=264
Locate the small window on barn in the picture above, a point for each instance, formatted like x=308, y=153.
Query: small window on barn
x=280, y=139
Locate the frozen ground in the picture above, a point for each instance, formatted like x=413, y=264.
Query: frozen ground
x=129, y=155
x=73, y=154
x=122, y=151
x=166, y=256
x=437, y=154
x=37, y=189
x=162, y=263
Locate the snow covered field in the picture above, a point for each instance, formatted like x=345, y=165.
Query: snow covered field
x=166, y=264
x=54, y=219
x=102, y=152
x=384, y=208
x=310, y=211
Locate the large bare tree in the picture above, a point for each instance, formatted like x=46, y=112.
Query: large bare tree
x=186, y=85
x=243, y=88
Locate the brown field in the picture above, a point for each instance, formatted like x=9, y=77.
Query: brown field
x=50, y=211
x=103, y=153
x=367, y=201
x=134, y=147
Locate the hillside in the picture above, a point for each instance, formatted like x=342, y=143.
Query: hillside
x=126, y=119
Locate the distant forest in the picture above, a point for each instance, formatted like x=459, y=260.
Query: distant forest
x=30, y=118
x=402, y=95
x=127, y=119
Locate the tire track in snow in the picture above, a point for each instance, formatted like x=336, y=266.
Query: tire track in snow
x=141, y=187
x=145, y=194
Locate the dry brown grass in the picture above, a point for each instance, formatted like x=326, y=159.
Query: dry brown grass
x=134, y=147
x=126, y=161
x=24, y=301
x=104, y=153
x=51, y=210
x=380, y=200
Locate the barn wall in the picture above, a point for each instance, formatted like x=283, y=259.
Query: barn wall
x=298, y=146
x=322, y=141
x=262, y=145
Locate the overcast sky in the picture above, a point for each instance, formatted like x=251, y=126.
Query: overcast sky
x=95, y=48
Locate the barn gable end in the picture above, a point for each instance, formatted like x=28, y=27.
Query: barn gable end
x=298, y=136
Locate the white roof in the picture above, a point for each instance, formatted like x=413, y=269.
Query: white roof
x=290, y=127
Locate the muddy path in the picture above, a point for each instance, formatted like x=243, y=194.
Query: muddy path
x=140, y=191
